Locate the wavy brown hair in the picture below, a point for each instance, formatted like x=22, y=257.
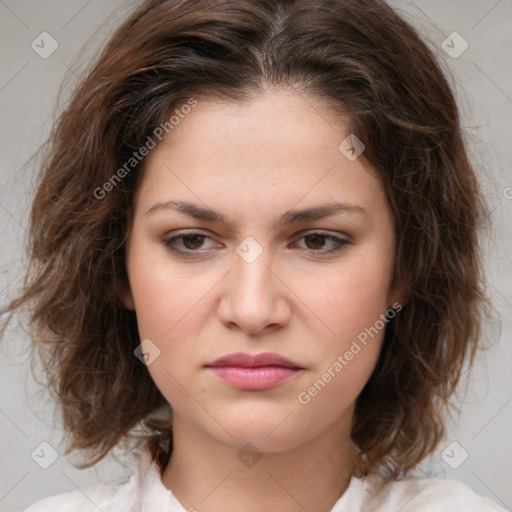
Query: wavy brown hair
x=362, y=59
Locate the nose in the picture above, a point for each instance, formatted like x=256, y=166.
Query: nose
x=255, y=298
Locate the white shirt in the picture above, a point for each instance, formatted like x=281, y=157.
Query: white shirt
x=145, y=492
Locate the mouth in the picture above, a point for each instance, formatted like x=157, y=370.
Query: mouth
x=254, y=372
x=254, y=379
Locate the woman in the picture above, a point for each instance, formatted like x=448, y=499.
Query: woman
x=255, y=235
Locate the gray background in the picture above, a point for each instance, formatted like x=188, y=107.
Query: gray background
x=482, y=76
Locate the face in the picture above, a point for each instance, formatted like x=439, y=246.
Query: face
x=260, y=276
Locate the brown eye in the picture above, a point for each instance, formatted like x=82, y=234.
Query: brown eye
x=186, y=243
x=193, y=241
x=317, y=241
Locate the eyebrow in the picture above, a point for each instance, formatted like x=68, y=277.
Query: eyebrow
x=287, y=218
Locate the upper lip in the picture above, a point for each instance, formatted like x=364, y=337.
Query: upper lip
x=254, y=360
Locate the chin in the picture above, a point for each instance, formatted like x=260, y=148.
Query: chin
x=267, y=434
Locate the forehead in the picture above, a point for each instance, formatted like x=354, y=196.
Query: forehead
x=272, y=120
x=278, y=149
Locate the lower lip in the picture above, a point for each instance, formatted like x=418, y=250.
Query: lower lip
x=254, y=379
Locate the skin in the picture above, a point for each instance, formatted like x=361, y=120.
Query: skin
x=252, y=162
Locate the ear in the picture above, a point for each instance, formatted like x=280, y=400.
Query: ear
x=398, y=295
x=126, y=296
x=123, y=285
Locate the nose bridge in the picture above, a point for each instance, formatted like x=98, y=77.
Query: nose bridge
x=252, y=274
x=252, y=299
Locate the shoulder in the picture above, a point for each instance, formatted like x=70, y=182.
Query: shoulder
x=143, y=486
x=88, y=499
x=423, y=495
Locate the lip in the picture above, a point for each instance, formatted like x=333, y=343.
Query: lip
x=242, y=359
x=254, y=372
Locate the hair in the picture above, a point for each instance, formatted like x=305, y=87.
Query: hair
x=360, y=58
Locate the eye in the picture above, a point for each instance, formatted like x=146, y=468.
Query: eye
x=188, y=244
x=316, y=240
x=190, y=241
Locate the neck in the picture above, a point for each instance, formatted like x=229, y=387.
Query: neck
x=207, y=475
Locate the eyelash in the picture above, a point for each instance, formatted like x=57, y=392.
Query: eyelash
x=169, y=243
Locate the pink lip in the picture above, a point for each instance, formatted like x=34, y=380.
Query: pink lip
x=254, y=372
x=252, y=361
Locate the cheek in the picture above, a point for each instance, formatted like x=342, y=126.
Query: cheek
x=166, y=296
x=168, y=307
x=351, y=307
x=351, y=297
